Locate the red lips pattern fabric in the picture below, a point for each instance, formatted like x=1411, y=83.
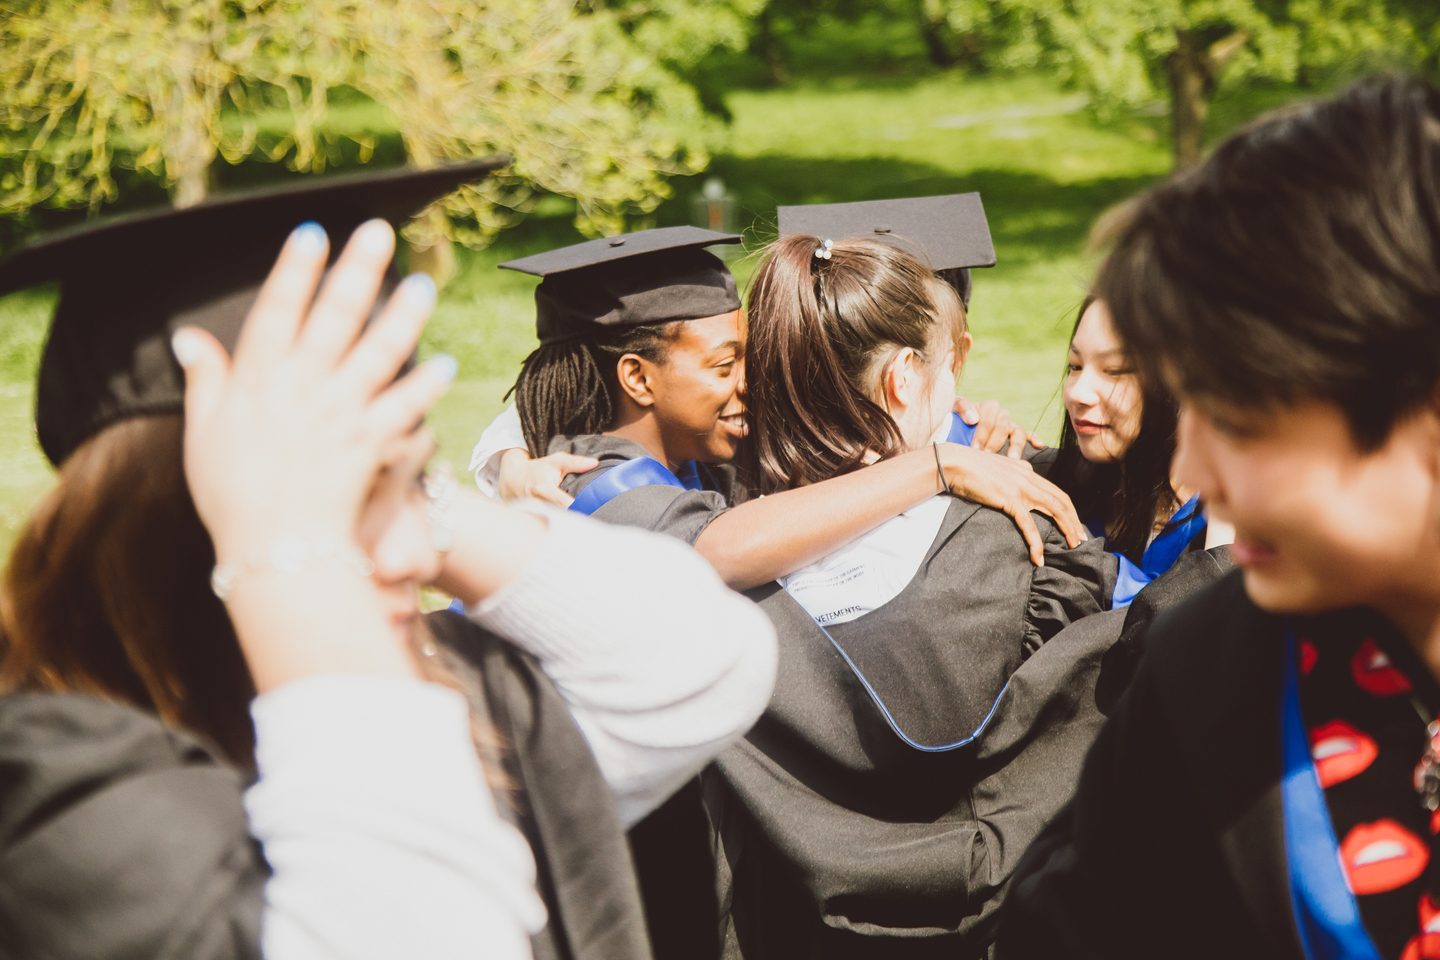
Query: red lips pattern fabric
x=1365, y=699
x=1341, y=752
x=1382, y=856
x=1374, y=673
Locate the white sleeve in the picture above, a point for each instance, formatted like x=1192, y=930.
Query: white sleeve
x=662, y=665
x=504, y=433
x=381, y=833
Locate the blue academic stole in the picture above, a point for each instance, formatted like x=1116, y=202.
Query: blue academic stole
x=1159, y=556
x=1326, y=913
x=630, y=475
x=960, y=431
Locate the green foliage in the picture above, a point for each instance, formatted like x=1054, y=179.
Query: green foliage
x=681, y=33
x=1117, y=50
x=165, y=87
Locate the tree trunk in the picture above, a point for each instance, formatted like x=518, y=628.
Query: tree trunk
x=767, y=46
x=191, y=186
x=932, y=30
x=1189, y=99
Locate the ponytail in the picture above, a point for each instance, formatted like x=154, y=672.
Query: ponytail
x=822, y=315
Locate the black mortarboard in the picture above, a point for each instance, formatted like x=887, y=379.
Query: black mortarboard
x=950, y=232
x=126, y=284
x=651, y=276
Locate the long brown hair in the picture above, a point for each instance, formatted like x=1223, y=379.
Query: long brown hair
x=818, y=327
x=106, y=591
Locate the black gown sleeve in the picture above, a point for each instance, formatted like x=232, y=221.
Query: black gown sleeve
x=120, y=838
x=1171, y=844
x=1072, y=585
x=683, y=514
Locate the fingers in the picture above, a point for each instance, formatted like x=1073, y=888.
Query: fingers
x=1035, y=441
x=1055, y=504
x=271, y=325
x=1016, y=441
x=552, y=495
x=1031, y=533
x=985, y=437
x=390, y=340
x=967, y=411
x=1063, y=513
x=568, y=463
x=994, y=427
x=206, y=367
x=348, y=294
x=405, y=404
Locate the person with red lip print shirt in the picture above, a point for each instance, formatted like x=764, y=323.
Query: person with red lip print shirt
x=1267, y=784
x=1366, y=700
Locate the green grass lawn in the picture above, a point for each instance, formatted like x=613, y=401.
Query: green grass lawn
x=1045, y=165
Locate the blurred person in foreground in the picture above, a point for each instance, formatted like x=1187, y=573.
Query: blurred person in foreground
x=1269, y=784
x=289, y=761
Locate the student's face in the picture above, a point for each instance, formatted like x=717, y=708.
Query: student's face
x=1319, y=524
x=395, y=531
x=1102, y=395
x=699, y=390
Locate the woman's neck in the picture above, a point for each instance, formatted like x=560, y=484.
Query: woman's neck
x=644, y=431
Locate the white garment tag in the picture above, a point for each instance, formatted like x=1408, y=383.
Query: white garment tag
x=868, y=572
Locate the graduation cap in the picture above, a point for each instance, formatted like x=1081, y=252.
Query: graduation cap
x=127, y=284
x=950, y=232
x=651, y=276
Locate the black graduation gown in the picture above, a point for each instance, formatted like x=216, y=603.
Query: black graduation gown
x=671, y=510
x=1174, y=843
x=842, y=841
x=119, y=838
x=1196, y=569
x=122, y=838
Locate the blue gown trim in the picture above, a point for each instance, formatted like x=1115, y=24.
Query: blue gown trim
x=630, y=475
x=1159, y=556
x=1326, y=913
x=905, y=738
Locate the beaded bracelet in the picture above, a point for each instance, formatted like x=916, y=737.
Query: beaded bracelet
x=291, y=555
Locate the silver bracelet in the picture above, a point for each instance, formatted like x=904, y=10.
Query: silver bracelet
x=440, y=490
x=292, y=555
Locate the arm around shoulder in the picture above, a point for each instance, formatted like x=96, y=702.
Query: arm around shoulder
x=661, y=664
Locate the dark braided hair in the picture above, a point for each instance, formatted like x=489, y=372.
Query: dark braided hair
x=570, y=388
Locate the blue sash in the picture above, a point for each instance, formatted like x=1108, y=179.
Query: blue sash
x=1326, y=913
x=1164, y=550
x=960, y=431
x=640, y=472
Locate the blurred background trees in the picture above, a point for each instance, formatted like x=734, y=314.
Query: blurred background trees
x=168, y=88
x=600, y=101
x=1133, y=52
